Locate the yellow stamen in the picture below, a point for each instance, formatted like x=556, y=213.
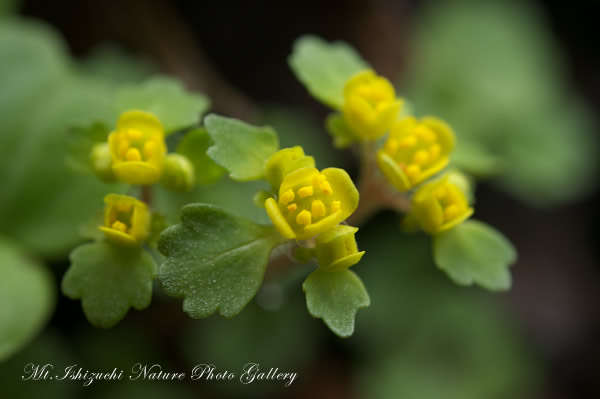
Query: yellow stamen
x=391, y=146
x=123, y=147
x=335, y=206
x=408, y=142
x=318, y=208
x=149, y=148
x=326, y=188
x=317, y=179
x=425, y=134
x=450, y=212
x=292, y=207
x=306, y=191
x=413, y=170
x=304, y=217
x=119, y=226
x=287, y=197
x=134, y=134
x=421, y=157
x=133, y=154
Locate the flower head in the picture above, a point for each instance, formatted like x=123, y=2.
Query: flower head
x=311, y=202
x=285, y=161
x=415, y=151
x=336, y=249
x=370, y=105
x=439, y=205
x=126, y=220
x=137, y=148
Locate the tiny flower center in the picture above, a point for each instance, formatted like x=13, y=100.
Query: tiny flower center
x=414, y=152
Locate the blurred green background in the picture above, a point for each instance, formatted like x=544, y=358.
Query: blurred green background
x=516, y=79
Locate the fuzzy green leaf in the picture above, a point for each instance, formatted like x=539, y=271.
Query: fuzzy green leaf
x=325, y=67
x=194, y=145
x=109, y=280
x=335, y=297
x=27, y=296
x=240, y=148
x=80, y=140
x=167, y=99
x=215, y=260
x=475, y=252
x=343, y=137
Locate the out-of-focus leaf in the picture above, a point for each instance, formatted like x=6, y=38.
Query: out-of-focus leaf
x=109, y=280
x=27, y=297
x=167, y=99
x=40, y=99
x=342, y=135
x=240, y=148
x=215, y=260
x=492, y=71
x=476, y=160
x=113, y=64
x=335, y=297
x=80, y=141
x=325, y=67
x=194, y=145
x=474, y=252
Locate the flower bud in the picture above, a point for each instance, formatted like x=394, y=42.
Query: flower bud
x=102, y=162
x=126, y=220
x=336, y=249
x=178, y=173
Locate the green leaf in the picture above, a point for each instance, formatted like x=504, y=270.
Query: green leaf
x=80, y=140
x=476, y=159
x=109, y=280
x=335, y=297
x=474, y=252
x=240, y=148
x=343, y=137
x=167, y=99
x=194, y=145
x=27, y=296
x=325, y=67
x=215, y=260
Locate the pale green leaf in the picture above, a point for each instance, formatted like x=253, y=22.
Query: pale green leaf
x=475, y=253
x=167, y=99
x=240, y=148
x=80, y=140
x=324, y=68
x=194, y=145
x=27, y=297
x=215, y=260
x=343, y=136
x=335, y=297
x=109, y=280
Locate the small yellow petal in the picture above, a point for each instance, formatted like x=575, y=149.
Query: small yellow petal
x=133, y=154
x=123, y=147
x=391, y=146
x=318, y=208
x=306, y=191
x=435, y=150
x=292, y=207
x=335, y=206
x=425, y=134
x=451, y=211
x=287, y=197
x=440, y=193
x=413, y=171
x=326, y=188
x=304, y=217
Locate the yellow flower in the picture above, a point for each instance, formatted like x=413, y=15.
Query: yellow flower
x=415, y=151
x=311, y=202
x=439, y=205
x=285, y=161
x=370, y=105
x=126, y=220
x=336, y=249
x=137, y=148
